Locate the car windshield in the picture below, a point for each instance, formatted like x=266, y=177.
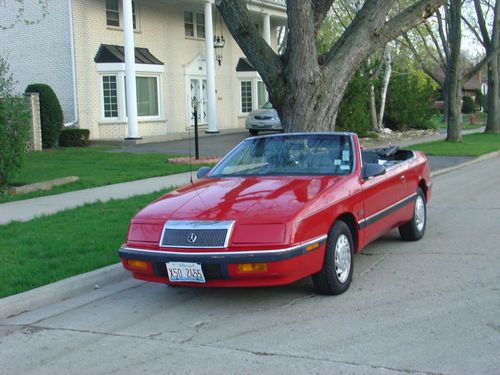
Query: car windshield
x=266, y=105
x=289, y=154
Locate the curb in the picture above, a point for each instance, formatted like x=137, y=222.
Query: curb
x=87, y=282
x=61, y=290
x=440, y=172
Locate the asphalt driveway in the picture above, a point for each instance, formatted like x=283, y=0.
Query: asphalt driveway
x=220, y=144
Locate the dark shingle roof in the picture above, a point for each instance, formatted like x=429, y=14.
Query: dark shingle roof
x=244, y=65
x=108, y=53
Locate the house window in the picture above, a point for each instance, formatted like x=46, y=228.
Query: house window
x=147, y=96
x=261, y=94
x=110, y=96
x=246, y=96
x=113, y=13
x=194, y=25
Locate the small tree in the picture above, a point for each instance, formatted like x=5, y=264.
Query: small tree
x=51, y=114
x=467, y=105
x=14, y=127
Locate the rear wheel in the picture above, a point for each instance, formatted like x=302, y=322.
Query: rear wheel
x=415, y=228
x=253, y=131
x=336, y=274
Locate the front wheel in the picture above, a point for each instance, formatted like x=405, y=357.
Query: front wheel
x=415, y=228
x=336, y=274
x=253, y=132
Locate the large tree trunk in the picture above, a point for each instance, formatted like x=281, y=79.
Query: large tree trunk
x=453, y=86
x=305, y=88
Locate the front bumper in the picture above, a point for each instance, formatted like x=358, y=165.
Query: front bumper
x=220, y=268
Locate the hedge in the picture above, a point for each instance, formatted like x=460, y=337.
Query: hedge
x=74, y=138
x=51, y=114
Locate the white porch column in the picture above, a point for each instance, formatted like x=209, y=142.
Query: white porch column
x=209, y=44
x=131, y=95
x=267, y=28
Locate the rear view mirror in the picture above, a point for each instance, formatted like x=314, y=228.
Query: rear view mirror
x=371, y=170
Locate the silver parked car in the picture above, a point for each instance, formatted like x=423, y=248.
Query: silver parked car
x=264, y=118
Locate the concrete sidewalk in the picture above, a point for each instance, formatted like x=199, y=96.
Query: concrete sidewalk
x=28, y=209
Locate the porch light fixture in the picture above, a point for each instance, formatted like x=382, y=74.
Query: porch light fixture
x=219, y=42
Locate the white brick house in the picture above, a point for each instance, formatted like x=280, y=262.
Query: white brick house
x=78, y=49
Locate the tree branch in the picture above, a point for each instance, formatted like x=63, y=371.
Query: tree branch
x=443, y=36
x=320, y=8
x=482, y=24
x=440, y=59
x=241, y=26
x=408, y=18
x=476, y=68
x=430, y=72
x=473, y=30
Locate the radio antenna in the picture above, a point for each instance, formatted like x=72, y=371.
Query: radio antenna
x=195, y=113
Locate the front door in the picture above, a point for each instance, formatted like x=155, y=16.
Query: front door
x=198, y=92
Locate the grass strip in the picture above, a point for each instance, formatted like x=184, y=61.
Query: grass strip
x=473, y=145
x=68, y=243
x=95, y=166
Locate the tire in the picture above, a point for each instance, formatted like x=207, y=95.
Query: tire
x=253, y=132
x=336, y=275
x=415, y=228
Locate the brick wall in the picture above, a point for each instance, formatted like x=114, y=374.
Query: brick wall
x=35, y=142
x=40, y=52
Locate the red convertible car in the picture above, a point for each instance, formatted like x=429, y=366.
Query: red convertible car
x=277, y=209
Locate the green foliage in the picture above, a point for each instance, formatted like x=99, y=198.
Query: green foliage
x=74, y=138
x=51, y=114
x=467, y=105
x=14, y=127
x=354, y=109
x=409, y=102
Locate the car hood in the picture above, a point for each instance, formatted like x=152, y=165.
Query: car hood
x=264, y=112
x=245, y=200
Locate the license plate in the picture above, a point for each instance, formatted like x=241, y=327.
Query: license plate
x=185, y=272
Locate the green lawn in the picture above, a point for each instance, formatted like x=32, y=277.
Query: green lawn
x=68, y=243
x=94, y=166
x=472, y=145
x=438, y=121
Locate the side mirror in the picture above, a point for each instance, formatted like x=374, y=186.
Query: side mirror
x=202, y=172
x=371, y=170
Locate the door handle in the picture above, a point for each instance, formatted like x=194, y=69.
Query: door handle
x=403, y=178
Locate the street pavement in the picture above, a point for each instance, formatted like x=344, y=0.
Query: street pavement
x=426, y=307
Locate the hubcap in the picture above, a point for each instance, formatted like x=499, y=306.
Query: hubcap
x=342, y=258
x=420, y=213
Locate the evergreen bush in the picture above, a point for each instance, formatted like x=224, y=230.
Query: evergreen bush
x=14, y=127
x=51, y=114
x=354, y=109
x=410, y=99
x=74, y=138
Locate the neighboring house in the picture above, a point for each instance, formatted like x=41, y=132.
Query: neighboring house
x=79, y=49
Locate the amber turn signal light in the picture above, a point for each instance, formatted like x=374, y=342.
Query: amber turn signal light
x=252, y=267
x=313, y=246
x=137, y=264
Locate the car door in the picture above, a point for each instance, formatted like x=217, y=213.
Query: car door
x=384, y=199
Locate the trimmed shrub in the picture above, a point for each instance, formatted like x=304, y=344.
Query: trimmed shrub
x=51, y=115
x=410, y=100
x=354, y=109
x=74, y=138
x=14, y=127
x=467, y=105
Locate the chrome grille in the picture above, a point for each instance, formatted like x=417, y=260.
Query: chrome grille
x=263, y=117
x=196, y=234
